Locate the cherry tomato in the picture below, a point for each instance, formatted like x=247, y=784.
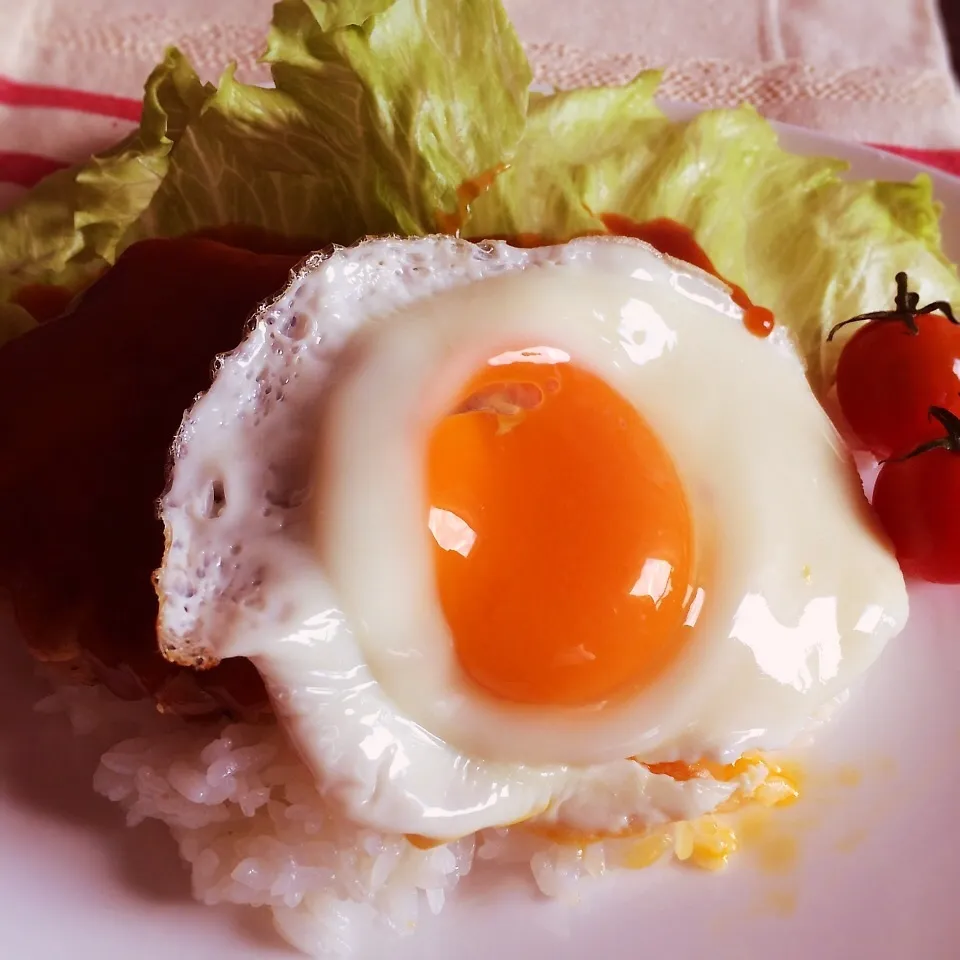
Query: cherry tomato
x=916, y=500
x=889, y=375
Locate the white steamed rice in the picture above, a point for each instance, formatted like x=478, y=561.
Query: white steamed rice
x=248, y=819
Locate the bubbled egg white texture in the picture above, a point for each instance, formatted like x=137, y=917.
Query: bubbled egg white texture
x=316, y=559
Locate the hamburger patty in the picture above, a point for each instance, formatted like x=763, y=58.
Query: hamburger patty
x=89, y=405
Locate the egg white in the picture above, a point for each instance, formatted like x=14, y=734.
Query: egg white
x=800, y=593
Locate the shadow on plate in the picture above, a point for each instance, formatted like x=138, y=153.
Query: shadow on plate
x=47, y=771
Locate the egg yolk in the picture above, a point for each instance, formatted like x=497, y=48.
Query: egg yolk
x=562, y=538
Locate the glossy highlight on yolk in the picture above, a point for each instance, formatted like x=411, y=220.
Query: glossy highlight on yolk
x=562, y=539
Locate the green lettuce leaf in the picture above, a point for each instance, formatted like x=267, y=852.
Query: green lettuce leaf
x=384, y=117
x=375, y=120
x=801, y=239
x=70, y=226
x=333, y=14
x=371, y=126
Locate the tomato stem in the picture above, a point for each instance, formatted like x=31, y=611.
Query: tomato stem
x=906, y=310
x=951, y=441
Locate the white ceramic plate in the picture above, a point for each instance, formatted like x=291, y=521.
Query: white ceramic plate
x=867, y=865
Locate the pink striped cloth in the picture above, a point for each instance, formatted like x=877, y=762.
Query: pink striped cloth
x=47, y=128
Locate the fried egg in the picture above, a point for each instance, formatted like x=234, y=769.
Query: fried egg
x=504, y=528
